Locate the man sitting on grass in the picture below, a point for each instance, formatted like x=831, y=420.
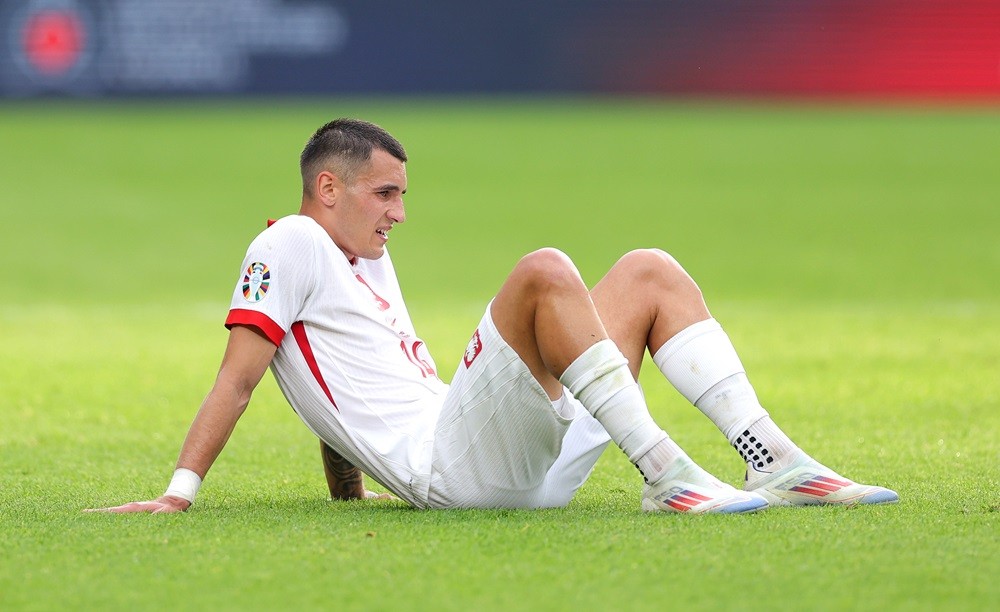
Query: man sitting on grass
x=548, y=378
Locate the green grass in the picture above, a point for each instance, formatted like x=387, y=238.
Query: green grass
x=852, y=254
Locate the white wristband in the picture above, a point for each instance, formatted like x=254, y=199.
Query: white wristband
x=184, y=484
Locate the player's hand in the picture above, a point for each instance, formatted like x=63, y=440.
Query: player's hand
x=164, y=504
x=374, y=495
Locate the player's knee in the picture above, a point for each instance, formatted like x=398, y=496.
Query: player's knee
x=547, y=268
x=658, y=268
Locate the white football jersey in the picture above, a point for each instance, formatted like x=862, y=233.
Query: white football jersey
x=348, y=361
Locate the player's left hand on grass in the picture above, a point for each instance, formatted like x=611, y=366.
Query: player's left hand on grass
x=164, y=504
x=374, y=495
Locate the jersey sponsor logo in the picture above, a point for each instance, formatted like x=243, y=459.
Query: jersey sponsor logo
x=472, y=351
x=256, y=281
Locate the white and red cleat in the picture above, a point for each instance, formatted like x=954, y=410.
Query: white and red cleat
x=806, y=482
x=687, y=488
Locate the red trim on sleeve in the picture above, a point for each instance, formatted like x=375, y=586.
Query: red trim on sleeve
x=299, y=331
x=242, y=316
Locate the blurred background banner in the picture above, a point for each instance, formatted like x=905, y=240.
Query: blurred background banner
x=870, y=48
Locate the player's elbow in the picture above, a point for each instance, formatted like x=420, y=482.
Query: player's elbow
x=237, y=390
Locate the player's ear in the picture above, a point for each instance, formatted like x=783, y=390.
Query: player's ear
x=328, y=187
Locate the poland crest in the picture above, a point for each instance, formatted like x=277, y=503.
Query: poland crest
x=472, y=351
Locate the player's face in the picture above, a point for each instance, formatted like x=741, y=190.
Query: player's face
x=367, y=209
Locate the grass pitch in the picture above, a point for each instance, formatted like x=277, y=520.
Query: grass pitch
x=852, y=255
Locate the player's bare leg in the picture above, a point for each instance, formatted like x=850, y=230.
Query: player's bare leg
x=647, y=300
x=545, y=313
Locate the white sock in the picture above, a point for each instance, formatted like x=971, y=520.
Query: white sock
x=701, y=362
x=654, y=463
x=732, y=405
x=601, y=380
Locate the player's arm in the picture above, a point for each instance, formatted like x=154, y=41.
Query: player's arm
x=344, y=480
x=247, y=357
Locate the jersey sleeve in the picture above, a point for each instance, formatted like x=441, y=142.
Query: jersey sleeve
x=275, y=281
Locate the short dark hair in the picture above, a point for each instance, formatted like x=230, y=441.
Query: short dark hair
x=343, y=146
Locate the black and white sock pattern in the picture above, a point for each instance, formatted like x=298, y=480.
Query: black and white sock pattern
x=752, y=450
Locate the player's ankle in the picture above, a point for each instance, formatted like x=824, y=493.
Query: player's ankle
x=658, y=460
x=763, y=446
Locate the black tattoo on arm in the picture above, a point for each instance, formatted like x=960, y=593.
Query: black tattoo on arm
x=345, y=480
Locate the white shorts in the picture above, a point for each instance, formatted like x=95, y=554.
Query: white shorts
x=500, y=442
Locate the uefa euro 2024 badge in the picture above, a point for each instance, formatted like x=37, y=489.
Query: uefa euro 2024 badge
x=256, y=281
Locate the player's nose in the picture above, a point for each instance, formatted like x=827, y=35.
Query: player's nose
x=397, y=214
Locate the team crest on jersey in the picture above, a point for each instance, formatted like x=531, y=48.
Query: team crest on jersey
x=472, y=351
x=256, y=281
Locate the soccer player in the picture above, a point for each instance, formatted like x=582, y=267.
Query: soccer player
x=548, y=379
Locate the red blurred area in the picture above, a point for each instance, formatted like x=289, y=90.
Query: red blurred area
x=53, y=41
x=924, y=48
